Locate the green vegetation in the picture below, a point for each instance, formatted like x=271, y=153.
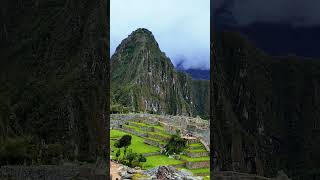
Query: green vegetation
x=187, y=158
x=153, y=161
x=131, y=159
x=196, y=150
x=196, y=145
x=158, y=133
x=123, y=142
x=176, y=145
x=118, y=108
x=128, y=68
x=137, y=143
x=200, y=170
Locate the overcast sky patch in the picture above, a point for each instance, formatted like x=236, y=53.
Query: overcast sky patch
x=181, y=27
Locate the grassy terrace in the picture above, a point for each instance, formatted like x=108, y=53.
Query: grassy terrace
x=137, y=144
x=154, y=161
x=198, y=145
x=196, y=150
x=187, y=158
x=158, y=135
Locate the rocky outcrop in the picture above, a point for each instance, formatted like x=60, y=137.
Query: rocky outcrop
x=144, y=79
x=54, y=74
x=159, y=173
x=169, y=173
x=265, y=110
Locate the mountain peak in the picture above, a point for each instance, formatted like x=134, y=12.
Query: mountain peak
x=142, y=30
x=142, y=33
x=140, y=36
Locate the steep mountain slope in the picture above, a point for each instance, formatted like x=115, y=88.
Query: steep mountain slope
x=144, y=79
x=200, y=96
x=53, y=74
x=265, y=110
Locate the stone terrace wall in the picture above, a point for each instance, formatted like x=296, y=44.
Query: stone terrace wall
x=50, y=173
x=197, y=154
x=196, y=165
x=199, y=128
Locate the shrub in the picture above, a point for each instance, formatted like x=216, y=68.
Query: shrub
x=132, y=159
x=175, y=145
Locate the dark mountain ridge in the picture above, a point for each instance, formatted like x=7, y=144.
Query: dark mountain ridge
x=265, y=110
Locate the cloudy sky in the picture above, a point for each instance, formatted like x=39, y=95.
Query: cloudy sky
x=279, y=27
x=295, y=12
x=181, y=27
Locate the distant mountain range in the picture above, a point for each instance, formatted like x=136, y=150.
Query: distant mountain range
x=198, y=74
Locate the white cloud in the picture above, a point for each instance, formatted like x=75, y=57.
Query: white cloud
x=181, y=27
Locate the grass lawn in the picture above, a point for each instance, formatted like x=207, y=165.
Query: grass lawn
x=196, y=145
x=137, y=144
x=135, y=128
x=196, y=150
x=116, y=134
x=200, y=170
x=186, y=158
x=153, y=161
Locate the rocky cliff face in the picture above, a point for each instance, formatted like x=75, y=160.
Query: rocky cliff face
x=53, y=73
x=144, y=79
x=265, y=110
x=200, y=95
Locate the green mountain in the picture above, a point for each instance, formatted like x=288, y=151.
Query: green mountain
x=265, y=110
x=54, y=79
x=144, y=79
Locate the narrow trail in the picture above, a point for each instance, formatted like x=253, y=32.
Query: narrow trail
x=114, y=170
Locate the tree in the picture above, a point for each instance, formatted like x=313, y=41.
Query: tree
x=130, y=157
x=141, y=158
x=118, y=155
x=175, y=145
x=124, y=141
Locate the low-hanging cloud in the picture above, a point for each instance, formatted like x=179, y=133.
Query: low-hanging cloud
x=295, y=12
x=181, y=27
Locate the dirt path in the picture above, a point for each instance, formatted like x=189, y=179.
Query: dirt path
x=114, y=170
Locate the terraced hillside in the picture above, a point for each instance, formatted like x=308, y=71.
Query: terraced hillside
x=149, y=137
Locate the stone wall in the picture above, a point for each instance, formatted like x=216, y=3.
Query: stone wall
x=51, y=172
x=132, y=131
x=199, y=164
x=152, y=142
x=200, y=128
x=197, y=154
x=157, y=136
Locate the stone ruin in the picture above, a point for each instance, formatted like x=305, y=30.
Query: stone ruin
x=198, y=127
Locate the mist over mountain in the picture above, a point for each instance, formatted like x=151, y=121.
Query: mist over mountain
x=195, y=73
